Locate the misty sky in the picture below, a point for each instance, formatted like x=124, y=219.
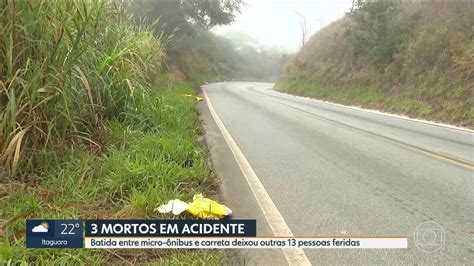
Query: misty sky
x=275, y=22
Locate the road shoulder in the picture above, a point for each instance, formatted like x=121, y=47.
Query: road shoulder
x=235, y=192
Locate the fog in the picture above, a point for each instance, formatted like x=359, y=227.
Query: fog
x=276, y=23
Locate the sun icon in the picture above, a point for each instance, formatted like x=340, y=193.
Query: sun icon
x=45, y=225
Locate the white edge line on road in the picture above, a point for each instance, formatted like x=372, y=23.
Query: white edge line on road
x=377, y=112
x=270, y=211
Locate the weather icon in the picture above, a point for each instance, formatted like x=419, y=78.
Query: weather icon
x=42, y=228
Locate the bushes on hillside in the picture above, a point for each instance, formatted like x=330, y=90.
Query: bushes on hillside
x=376, y=32
x=419, y=53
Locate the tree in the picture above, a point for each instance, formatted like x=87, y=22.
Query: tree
x=303, y=27
x=186, y=15
x=374, y=33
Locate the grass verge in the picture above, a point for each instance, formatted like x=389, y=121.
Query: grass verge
x=90, y=127
x=150, y=157
x=454, y=108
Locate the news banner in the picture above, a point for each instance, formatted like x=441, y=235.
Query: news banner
x=187, y=234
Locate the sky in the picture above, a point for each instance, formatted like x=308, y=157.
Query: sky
x=275, y=23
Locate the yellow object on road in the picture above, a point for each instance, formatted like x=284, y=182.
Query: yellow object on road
x=205, y=208
x=201, y=207
x=198, y=99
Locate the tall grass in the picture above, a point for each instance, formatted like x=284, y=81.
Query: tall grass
x=149, y=157
x=90, y=127
x=67, y=67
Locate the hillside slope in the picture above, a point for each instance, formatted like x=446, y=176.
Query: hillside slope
x=415, y=59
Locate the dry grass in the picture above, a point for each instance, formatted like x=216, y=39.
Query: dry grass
x=431, y=77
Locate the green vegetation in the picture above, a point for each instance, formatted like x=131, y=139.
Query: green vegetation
x=90, y=127
x=374, y=35
x=186, y=17
x=414, y=58
x=149, y=158
x=69, y=68
x=195, y=53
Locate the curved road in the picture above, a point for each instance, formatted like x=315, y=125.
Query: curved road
x=332, y=170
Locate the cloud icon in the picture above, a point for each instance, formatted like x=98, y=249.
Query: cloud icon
x=42, y=228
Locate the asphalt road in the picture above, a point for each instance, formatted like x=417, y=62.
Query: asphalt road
x=332, y=170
